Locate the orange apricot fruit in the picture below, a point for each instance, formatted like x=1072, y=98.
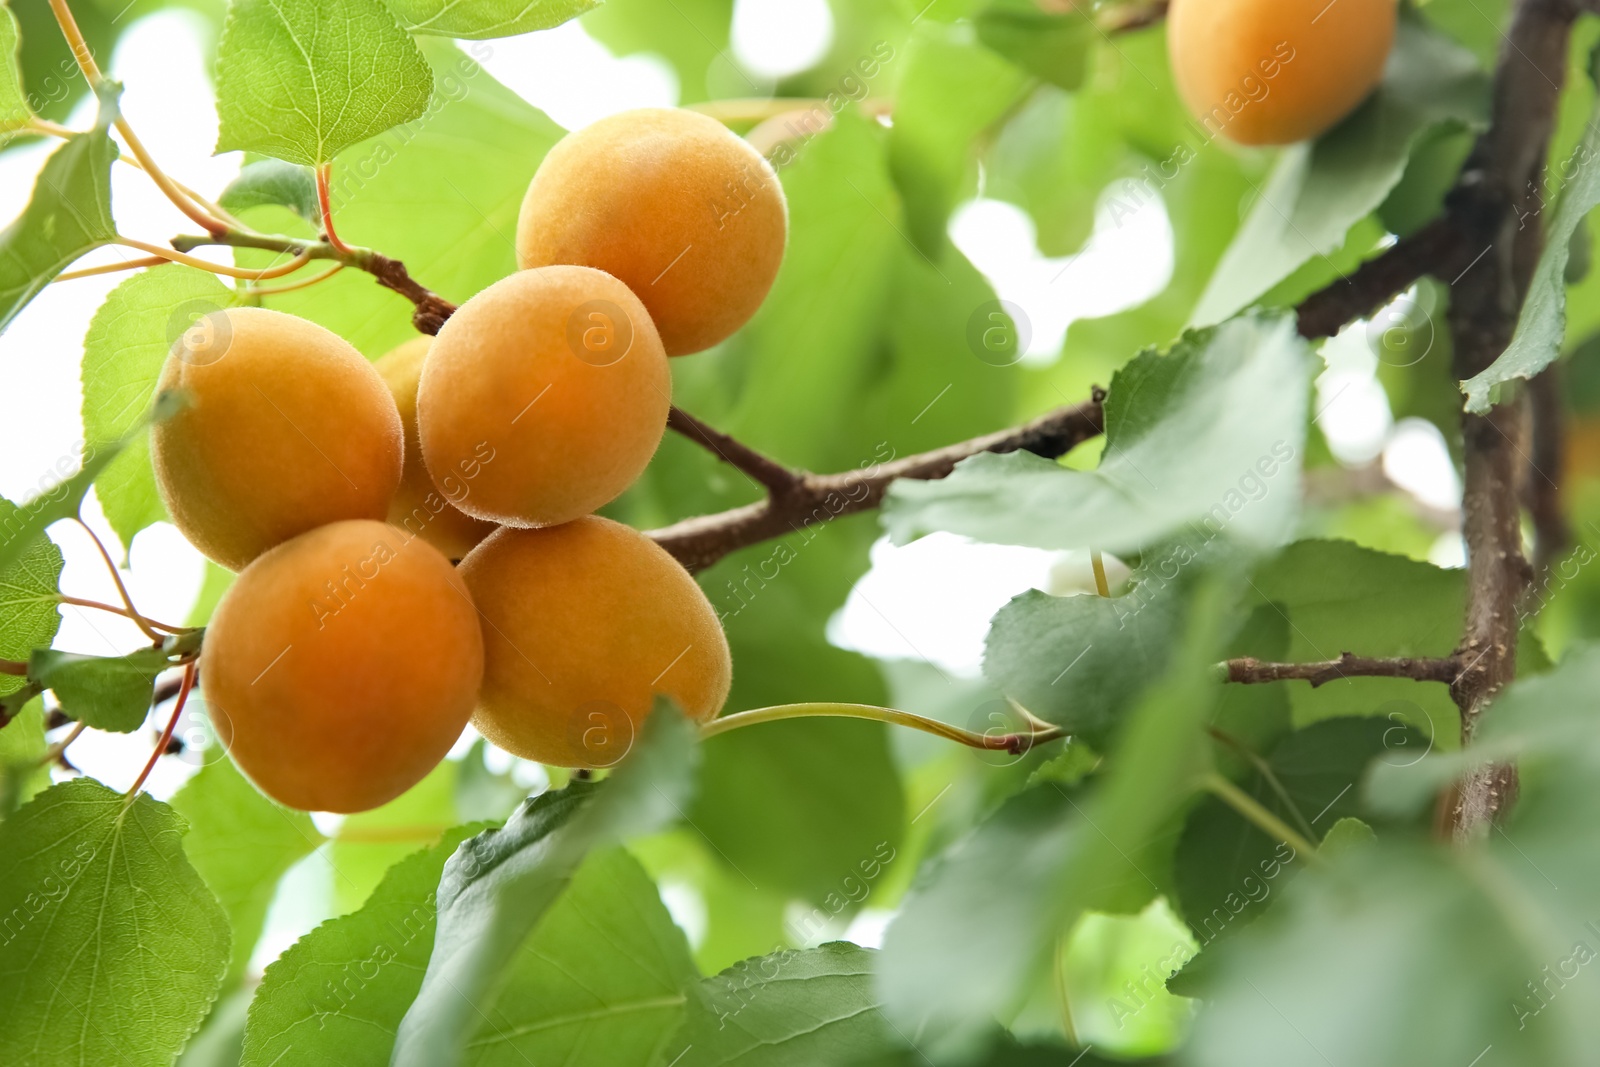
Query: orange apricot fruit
x=1267, y=72
x=584, y=625
x=287, y=428
x=342, y=665
x=545, y=395
x=688, y=215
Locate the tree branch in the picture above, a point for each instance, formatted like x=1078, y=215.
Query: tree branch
x=801, y=499
x=1552, y=534
x=1249, y=671
x=431, y=309
x=1499, y=185
x=1436, y=249
x=777, y=478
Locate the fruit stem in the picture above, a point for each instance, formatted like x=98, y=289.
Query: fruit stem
x=91, y=72
x=80, y=602
x=1253, y=812
x=122, y=589
x=1015, y=743
x=325, y=202
x=166, y=735
x=305, y=256
x=1098, y=562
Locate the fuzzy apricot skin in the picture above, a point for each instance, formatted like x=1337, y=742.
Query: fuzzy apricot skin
x=545, y=395
x=288, y=428
x=1271, y=72
x=341, y=666
x=686, y=214
x=420, y=506
x=584, y=624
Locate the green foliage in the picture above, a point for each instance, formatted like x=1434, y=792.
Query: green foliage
x=1228, y=870
x=14, y=110
x=242, y=844
x=1542, y=324
x=604, y=977
x=1081, y=661
x=1365, y=934
x=1051, y=45
x=1207, y=436
x=113, y=948
x=788, y=1009
x=1340, y=598
x=478, y=19
x=69, y=214
x=497, y=887
x=1319, y=190
x=108, y=693
x=303, y=80
x=1031, y=870
x=272, y=181
x=469, y=159
x=950, y=92
x=337, y=995
x=28, y=594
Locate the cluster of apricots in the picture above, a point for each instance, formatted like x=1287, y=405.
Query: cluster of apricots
x=1272, y=72
x=351, y=651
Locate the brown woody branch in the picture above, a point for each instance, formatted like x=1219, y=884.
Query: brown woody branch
x=1249, y=671
x=1498, y=189
x=1435, y=249
x=798, y=499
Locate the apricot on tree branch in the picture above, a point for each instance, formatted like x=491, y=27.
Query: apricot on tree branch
x=807, y=499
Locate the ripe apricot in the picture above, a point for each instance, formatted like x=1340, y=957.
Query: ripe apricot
x=583, y=625
x=1277, y=71
x=419, y=506
x=545, y=395
x=688, y=215
x=341, y=666
x=288, y=428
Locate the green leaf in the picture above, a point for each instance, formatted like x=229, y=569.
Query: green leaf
x=29, y=595
x=478, y=19
x=272, y=181
x=108, y=693
x=1318, y=191
x=128, y=341
x=1082, y=661
x=14, y=110
x=1051, y=45
x=603, y=979
x=950, y=91
x=1227, y=871
x=62, y=501
x=796, y=807
x=1542, y=324
x=1208, y=437
x=1381, y=938
x=370, y=842
x=498, y=886
x=789, y=1009
x=469, y=160
x=976, y=934
x=1339, y=597
x=242, y=844
x=303, y=80
x=70, y=213
x=113, y=948
x=23, y=774
x=336, y=996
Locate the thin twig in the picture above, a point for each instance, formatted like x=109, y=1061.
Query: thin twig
x=1250, y=671
x=166, y=735
x=91, y=73
x=111, y=268
x=1014, y=743
x=300, y=260
x=777, y=478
